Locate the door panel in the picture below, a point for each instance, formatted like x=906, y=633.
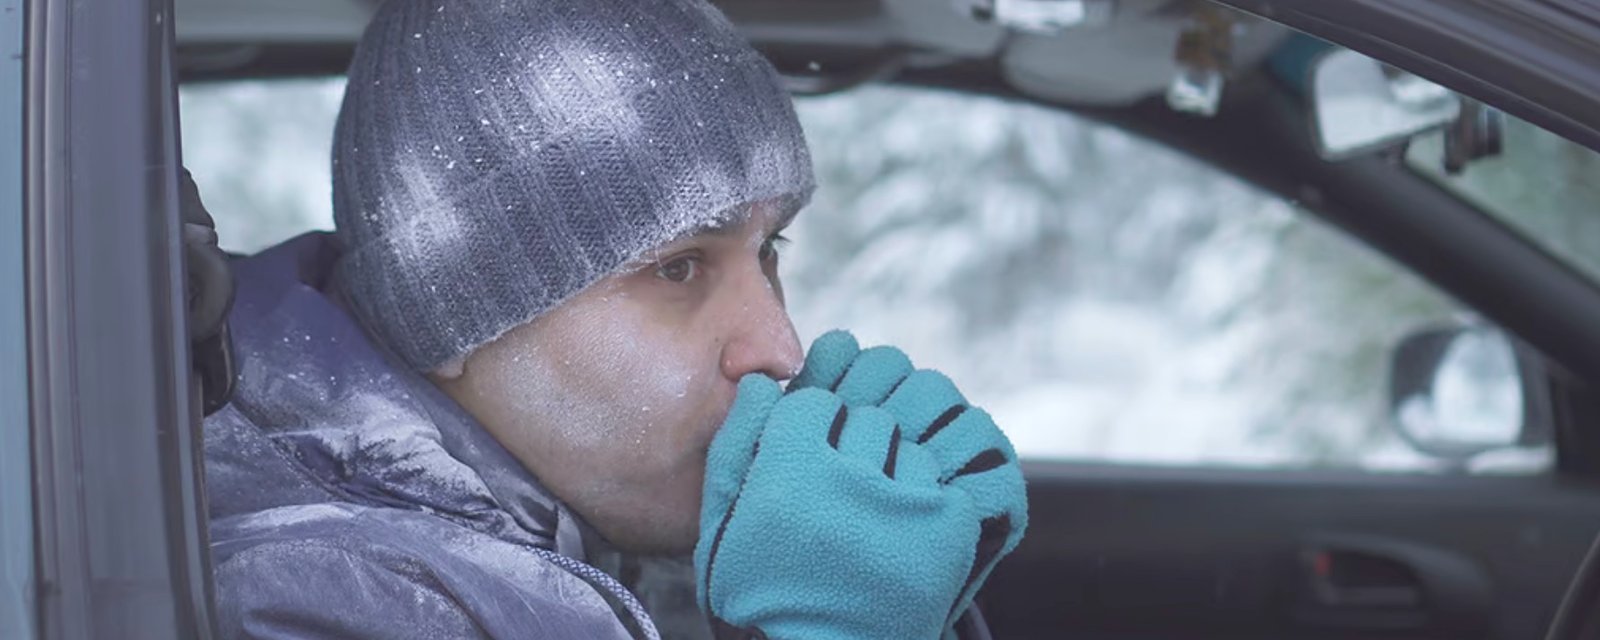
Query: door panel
x=1125, y=552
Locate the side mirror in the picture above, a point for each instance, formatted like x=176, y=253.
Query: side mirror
x=1360, y=105
x=1457, y=392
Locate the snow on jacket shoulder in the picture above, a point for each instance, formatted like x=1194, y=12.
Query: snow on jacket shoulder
x=350, y=498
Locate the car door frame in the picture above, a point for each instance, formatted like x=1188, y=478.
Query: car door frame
x=120, y=527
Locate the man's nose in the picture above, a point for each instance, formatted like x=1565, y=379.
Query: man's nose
x=761, y=338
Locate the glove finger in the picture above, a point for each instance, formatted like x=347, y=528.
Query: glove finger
x=868, y=436
x=972, y=453
x=827, y=360
x=812, y=421
x=734, y=447
x=925, y=403
x=1000, y=500
x=1000, y=495
x=728, y=462
x=998, y=536
x=802, y=422
x=979, y=462
x=872, y=376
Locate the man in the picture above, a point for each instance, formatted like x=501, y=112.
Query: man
x=550, y=322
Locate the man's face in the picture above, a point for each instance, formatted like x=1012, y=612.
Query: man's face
x=613, y=397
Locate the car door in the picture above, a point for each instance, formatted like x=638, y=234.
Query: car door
x=1182, y=550
x=97, y=280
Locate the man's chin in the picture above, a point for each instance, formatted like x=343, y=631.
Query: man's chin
x=654, y=514
x=655, y=534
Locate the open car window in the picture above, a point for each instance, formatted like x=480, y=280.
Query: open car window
x=1106, y=298
x=259, y=151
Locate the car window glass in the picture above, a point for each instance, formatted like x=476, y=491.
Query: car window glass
x=1105, y=298
x=1110, y=300
x=1544, y=185
x=263, y=149
x=16, y=499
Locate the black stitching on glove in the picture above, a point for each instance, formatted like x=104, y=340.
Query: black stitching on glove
x=941, y=422
x=838, y=426
x=984, y=461
x=842, y=375
x=894, y=453
x=897, y=386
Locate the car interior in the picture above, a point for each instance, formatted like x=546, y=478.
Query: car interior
x=1114, y=551
x=1196, y=76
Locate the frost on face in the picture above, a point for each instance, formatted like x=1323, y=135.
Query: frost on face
x=610, y=384
x=611, y=408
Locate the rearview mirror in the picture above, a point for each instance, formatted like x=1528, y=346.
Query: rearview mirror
x=1361, y=105
x=1456, y=392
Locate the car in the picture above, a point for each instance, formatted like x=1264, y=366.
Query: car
x=1248, y=194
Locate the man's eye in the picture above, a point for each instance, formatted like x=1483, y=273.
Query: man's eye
x=769, y=249
x=678, y=270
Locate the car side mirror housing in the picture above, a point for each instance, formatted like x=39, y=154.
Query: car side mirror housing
x=1360, y=105
x=1459, y=391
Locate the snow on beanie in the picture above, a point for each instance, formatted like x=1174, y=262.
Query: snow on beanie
x=494, y=157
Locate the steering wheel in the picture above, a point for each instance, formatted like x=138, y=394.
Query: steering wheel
x=1577, y=619
x=972, y=626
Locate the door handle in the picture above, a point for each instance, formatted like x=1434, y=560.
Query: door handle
x=1348, y=578
x=1353, y=581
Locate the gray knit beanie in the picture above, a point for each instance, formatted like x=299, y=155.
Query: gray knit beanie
x=494, y=157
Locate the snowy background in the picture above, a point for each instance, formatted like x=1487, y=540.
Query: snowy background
x=1105, y=298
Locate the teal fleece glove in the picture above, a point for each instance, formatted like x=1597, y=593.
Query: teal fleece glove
x=869, y=502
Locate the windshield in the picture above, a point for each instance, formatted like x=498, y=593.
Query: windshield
x=1543, y=185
